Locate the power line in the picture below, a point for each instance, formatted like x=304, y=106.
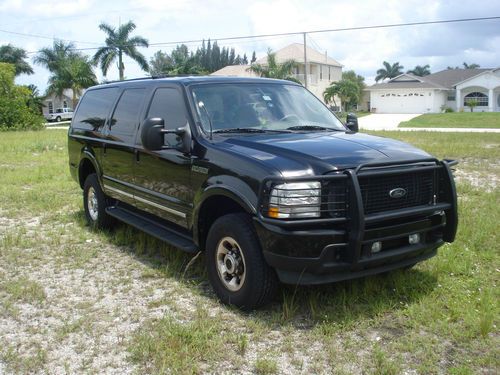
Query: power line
x=45, y=37
x=355, y=28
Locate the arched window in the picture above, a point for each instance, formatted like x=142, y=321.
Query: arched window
x=482, y=99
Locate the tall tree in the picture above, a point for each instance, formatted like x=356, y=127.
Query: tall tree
x=389, y=71
x=54, y=58
x=254, y=58
x=119, y=43
x=274, y=70
x=35, y=100
x=76, y=74
x=160, y=63
x=15, y=56
x=420, y=70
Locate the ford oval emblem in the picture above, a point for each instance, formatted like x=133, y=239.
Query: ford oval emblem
x=397, y=193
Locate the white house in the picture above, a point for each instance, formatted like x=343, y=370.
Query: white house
x=451, y=88
x=322, y=70
x=53, y=101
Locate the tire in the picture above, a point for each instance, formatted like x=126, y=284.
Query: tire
x=58, y=119
x=232, y=246
x=95, y=203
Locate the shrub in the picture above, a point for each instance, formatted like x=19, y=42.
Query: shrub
x=15, y=114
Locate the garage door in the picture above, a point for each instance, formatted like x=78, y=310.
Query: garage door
x=402, y=102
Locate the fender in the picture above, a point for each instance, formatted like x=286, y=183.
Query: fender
x=87, y=153
x=229, y=187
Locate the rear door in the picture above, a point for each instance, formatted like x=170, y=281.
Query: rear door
x=163, y=177
x=118, y=151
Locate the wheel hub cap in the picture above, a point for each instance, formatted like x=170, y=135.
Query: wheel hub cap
x=230, y=264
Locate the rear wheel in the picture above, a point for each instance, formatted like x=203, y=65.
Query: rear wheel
x=95, y=203
x=236, y=267
x=58, y=119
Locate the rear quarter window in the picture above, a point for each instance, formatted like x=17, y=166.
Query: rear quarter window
x=94, y=109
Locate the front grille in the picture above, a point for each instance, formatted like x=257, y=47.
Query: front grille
x=419, y=186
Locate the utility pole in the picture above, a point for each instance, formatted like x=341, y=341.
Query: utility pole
x=306, y=68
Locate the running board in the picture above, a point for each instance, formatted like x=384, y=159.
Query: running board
x=163, y=233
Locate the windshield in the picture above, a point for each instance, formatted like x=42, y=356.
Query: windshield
x=261, y=106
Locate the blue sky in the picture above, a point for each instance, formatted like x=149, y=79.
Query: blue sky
x=167, y=21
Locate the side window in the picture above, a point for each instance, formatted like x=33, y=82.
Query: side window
x=168, y=104
x=126, y=115
x=94, y=109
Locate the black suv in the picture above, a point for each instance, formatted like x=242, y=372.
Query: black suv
x=260, y=175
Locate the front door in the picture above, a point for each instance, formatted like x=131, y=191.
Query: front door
x=163, y=177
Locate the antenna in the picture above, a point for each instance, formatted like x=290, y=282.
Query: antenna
x=202, y=106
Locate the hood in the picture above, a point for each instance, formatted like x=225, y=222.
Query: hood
x=318, y=153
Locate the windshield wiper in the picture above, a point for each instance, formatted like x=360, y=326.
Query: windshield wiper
x=248, y=130
x=311, y=128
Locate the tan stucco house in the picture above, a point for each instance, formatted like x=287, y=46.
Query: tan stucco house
x=322, y=69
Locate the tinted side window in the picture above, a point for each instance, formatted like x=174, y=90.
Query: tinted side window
x=94, y=109
x=168, y=103
x=126, y=115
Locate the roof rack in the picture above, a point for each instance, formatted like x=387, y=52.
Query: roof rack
x=153, y=77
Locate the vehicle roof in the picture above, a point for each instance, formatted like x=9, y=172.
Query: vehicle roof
x=189, y=80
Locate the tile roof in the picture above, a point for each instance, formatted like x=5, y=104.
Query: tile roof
x=445, y=79
x=295, y=52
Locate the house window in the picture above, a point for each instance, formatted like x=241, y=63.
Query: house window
x=329, y=74
x=482, y=99
x=51, y=107
x=65, y=104
x=451, y=97
x=321, y=72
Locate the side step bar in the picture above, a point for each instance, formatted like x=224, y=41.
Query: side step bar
x=163, y=233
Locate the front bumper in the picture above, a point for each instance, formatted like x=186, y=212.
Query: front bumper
x=328, y=250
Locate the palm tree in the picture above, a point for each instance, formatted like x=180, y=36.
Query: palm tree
x=118, y=42
x=274, y=70
x=389, y=71
x=471, y=66
x=420, y=70
x=35, y=100
x=53, y=58
x=76, y=74
x=346, y=89
x=13, y=55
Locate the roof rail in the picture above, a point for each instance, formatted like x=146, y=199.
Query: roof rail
x=153, y=77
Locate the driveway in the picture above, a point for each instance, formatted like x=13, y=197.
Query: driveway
x=384, y=121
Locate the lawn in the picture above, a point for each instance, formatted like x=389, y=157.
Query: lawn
x=489, y=120
x=77, y=301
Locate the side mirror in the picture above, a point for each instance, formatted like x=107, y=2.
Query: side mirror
x=352, y=122
x=153, y=135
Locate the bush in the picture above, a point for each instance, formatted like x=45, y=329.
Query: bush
x=15, y=114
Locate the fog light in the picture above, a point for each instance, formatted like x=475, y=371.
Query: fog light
x=376, y=247
x=413, y=239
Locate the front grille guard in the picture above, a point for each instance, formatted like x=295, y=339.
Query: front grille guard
x=355, y=221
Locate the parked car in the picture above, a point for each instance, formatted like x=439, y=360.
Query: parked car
x=262, y=177
x=60, y=114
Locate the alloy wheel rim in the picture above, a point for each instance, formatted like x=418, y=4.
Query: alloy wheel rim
x=92, y=204
x=230, y=262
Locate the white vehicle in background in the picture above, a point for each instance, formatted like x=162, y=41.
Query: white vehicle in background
x=60, y=114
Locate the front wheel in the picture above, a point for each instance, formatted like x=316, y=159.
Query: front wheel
x=58, y=119
x=95, y=203
x=236, y=267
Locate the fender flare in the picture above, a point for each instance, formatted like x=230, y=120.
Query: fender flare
x=87, y=154
x=243, y=195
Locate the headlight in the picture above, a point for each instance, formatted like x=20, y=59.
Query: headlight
x=295, y=200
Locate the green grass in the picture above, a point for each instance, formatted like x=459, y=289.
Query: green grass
x=440, y=317
x=455, y=120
